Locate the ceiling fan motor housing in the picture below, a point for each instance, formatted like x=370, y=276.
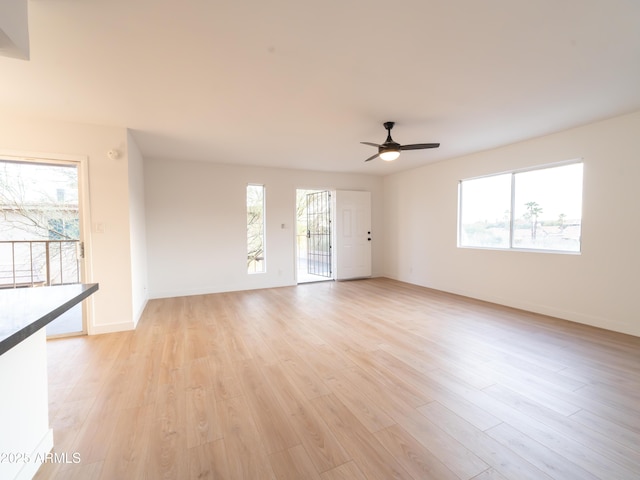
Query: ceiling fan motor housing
x=389, y=146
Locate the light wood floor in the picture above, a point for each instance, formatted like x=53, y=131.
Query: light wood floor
x=371, y=379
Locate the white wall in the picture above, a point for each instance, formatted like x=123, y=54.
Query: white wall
x=137, y=224
x=109, y=249
x=196, y=224
x=598, y=287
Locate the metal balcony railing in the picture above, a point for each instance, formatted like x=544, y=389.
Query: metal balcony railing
x=32, y=263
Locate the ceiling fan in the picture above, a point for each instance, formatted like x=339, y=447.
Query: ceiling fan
x=390, y=150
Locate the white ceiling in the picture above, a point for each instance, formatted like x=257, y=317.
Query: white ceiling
x=298, y=83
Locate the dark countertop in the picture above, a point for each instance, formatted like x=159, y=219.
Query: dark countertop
x=24, y=311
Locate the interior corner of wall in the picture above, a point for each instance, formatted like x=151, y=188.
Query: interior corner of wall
x=138, y=316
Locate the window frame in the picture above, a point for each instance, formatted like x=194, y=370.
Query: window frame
x=512, y=227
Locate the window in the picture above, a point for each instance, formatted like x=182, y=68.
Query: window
x=537, y=209
x=255, y=229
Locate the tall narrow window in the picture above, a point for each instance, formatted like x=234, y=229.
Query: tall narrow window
x=255, y=229
x=537, y=209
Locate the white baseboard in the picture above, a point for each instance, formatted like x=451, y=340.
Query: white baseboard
x=112, y=328
x=550, y=310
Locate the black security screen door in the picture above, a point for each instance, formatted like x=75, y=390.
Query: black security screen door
x=319, y=234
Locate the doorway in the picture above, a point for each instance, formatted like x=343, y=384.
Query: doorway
x=40, y=230
x=313, y=236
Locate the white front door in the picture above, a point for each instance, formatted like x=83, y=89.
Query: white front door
x=353, y=234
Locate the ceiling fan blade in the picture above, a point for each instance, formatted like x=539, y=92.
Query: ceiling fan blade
x=369, y=143
x=419, y=146
x=372, y=157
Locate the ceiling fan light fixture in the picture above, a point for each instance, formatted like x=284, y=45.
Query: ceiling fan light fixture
x=390, y=150
x=389, y=155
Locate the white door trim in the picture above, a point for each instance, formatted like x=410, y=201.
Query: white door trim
x=82, y=163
